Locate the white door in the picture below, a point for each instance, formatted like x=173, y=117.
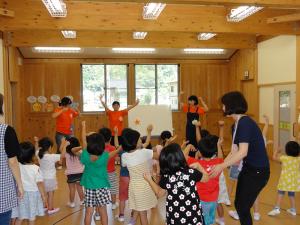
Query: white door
x=284, y=114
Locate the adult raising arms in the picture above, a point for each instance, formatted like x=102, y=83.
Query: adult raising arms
x=64, y=116
x=248, y=147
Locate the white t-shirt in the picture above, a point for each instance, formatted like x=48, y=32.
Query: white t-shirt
x=47, y=165
x=137, y=157
x=30, y=175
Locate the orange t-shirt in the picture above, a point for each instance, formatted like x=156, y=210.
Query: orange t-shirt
x=116, y=119
x=64, y=120
x=193, y=109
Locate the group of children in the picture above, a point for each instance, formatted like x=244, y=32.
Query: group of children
x=192, y=196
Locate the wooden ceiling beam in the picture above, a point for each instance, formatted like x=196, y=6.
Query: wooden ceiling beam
x=292, y=4
x=128, y=17
x=124, y=39
x=284, y=18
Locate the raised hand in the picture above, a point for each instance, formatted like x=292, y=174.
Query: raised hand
x=150, y=128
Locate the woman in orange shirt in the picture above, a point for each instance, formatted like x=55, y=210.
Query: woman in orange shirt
x=64, y=116
x=116, y=116
x=193, y=112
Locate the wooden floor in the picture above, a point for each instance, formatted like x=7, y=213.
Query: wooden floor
x=74, y=216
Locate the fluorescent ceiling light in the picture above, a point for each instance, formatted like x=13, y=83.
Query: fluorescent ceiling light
x=204, y=51
x=139, y=35
x=152, y=10
x=56, y=8
x=205, y=36
x=57, y=49
x=133, y=50
x=69, y=33
x=242, y=12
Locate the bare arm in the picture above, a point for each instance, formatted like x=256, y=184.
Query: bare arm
x=205, y=107
x=148, y=139
x=83, y=134
x=134, y=105
x=277, y=154
x=103, y=103
x=187, y=150
x=42, y=191
x=198, y=167
x=221, y=139
x=116, y=137
x=56, y=114
x=198, y=133
x=114, y=153
x=15, y=169
x=159, y=192
x=266, y=126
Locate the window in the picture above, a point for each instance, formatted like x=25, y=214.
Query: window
x=110, y=80
x=157, y=84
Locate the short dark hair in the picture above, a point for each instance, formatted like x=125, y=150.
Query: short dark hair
x=27, y=152
x=116, y=103
x=1, y=104
x=172, y=160
x=292, y=149
x=106, y=134
x=208, y=146
x=164, y=136
x=44, y=145
x=194, y=98
x=74, y=142
x=65, y=101
x=130, y=139
x=235, y=103
x=95, y=144
x=204, y=133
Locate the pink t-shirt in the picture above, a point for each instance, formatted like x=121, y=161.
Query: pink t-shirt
x=73, y=164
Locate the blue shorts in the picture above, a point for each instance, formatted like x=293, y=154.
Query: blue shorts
x=209, y=212
x=234, y=172
x=290, y=193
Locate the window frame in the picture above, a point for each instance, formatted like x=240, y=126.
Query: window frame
x=105, y=85
x=156, y=81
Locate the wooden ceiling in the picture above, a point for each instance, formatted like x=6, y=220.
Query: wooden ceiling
x=108, y=23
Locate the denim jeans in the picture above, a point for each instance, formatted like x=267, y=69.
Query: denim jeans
x=5, y=218
x=58, y=137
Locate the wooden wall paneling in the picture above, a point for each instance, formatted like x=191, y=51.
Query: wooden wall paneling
x=298, y=83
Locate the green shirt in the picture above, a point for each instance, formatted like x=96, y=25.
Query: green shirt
x=95, y=172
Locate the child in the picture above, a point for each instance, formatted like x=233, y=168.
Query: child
x=289, y=178
x=193, y=112
x=47, y=161
x=95, y=178
x=111, y=170
x=209, y=192
x=70, y=150
x=165, y=139
x=116, y=117
x=138, y=160
x=178, y=180
x=34, y=200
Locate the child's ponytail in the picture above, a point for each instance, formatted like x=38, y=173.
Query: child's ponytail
x=44, y=145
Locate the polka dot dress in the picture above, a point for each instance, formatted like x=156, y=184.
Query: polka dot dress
x=183, y=203
x=290, y=174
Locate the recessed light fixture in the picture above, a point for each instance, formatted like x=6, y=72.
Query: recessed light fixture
x=204, y=51
x=240, y=13
x=205, y=36
x=152, y=10
x=56, y=8
x=69, y=33
x=57, y=49
x=134, y=50
x=139, y=35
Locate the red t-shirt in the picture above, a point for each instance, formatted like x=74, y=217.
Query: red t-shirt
x=209, y=191
x=111, y=162
x=193, y=109
x=116, y=119
x=64, y=120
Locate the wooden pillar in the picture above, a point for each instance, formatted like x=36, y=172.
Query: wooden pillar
x=298, y=84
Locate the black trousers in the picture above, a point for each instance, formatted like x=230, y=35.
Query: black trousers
x=251, y=181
